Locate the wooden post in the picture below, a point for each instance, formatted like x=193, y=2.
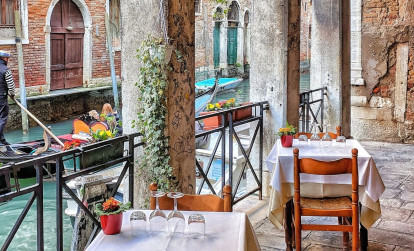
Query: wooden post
x=346, y=67
x=111, y=60
x=181, y=93
x=22, y=84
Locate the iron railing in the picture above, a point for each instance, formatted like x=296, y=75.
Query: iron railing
x=227, y=128
x=61, y=179
x=311, y=108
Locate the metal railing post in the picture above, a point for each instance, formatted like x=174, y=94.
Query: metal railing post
x=59, y=209
x=223, y=153
x=131, y=164
x=39, y=207
x=322, y=104
x=261, y=153
x=231, y=131
x=307, y=111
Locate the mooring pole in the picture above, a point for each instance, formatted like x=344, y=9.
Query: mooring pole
x=111, y=60
x=22, y=84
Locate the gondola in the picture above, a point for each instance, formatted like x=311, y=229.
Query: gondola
x=204, y=98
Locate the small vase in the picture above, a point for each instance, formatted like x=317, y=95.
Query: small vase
x=111, y=224
x=287, y=140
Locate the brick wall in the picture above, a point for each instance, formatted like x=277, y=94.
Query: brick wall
x=34, y=53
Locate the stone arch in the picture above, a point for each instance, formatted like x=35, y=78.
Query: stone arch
x=87, y=41
x=233, y=14
x=246, y=39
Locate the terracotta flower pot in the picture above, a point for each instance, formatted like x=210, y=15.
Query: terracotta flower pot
x=111, y=224
x=243, y=113
x=287, y=140
x=212, y=122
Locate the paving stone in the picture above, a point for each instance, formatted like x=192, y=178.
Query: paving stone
x=395, y=214
x=408, y=205
x=317, y=247
x=390, y=237
x=265, y=248
x=397, y=226
x=392, y=180
x=408, y=186
x=391, y=193
x=391, y=202
x=374, y=246
x=398, y=248
x=407, y=196
x=333, y=239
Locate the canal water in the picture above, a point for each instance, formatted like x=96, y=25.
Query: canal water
x=25, y=239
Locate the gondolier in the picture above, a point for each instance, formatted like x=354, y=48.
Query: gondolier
x=6, y=88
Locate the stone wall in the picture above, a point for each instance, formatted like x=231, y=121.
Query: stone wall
x=50, y=110
x=383, y=109
x=36, y=55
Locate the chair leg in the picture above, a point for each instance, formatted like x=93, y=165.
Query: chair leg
x=288, y=226
x=345, y=235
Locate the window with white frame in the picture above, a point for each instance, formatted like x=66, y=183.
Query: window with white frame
x=7, y=26
x=7, y=8
x=197, y=6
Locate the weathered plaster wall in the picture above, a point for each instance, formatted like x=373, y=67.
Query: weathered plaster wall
x=383, y=109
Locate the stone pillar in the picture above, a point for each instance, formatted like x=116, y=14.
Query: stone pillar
x=330, y=63
x=356, y=53
x=181, y=93
x=139, y=18
x=274, y=73
x=223, y=45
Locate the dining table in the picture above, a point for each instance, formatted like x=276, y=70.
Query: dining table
x=223, y=231
x=280, y=163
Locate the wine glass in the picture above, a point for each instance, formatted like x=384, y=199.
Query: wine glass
x=315, y=139
x=326, y=139
x=138, y=221
x=341, y=141
x=176, y=220
x=196, y=226
x=157, y=219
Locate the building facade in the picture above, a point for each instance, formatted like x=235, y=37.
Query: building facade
x=222, y=35
x=64, y=42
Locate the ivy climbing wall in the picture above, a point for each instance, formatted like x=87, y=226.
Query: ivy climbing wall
x=181, y=95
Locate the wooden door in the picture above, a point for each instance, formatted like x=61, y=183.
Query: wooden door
x=216, y=38
x=66, y=46
x=232, y=45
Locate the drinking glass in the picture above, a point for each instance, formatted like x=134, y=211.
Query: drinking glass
x=303, y=140
x=196, y=226
x=326, y=139
x=176, y=220
x=158, y=219
x=341, y=141
x=138, y=221
x=315, y=139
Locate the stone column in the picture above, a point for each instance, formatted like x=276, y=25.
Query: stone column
x=139, y=18
x=330, y=63
x=181, y=93
x=274, y=73
x=356, y=53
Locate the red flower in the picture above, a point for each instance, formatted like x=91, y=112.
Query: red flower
x=71, y=144
x=110, y=205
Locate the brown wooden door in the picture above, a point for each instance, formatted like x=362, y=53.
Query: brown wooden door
x=66, y=46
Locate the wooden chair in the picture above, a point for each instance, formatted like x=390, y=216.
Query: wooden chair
x=80, y=126
x=205, y=202
x=98, y=126
x=333, y=135
x=342, y=207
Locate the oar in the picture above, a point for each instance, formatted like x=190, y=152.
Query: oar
x=40, y=123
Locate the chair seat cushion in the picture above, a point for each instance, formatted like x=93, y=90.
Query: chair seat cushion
x=326, y=203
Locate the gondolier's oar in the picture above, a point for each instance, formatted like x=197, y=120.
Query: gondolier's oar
x=40, y=123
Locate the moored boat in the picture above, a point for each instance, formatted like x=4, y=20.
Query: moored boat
x=224, y=84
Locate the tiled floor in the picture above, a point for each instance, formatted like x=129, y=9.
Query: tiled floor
x=393, y=231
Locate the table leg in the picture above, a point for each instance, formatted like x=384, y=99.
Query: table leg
x=288, y=226
x=363, y=238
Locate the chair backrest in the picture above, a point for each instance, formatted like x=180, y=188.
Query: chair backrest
x=317, y=167
x=205, y=202
x=98, y=126
x=333, y=135
x=80, y=126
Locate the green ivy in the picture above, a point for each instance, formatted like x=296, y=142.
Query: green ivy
x=152, y=110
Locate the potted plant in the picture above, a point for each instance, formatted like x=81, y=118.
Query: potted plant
x=216, y=121
x=243, y=113
x=110, y=213
x=286, y=135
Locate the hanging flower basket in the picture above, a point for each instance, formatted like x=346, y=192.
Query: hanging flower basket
x=212, y=122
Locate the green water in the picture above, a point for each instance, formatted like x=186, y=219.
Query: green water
x=25, y=238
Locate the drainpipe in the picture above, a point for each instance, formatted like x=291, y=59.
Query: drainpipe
x=22, y=84
x=111, y=61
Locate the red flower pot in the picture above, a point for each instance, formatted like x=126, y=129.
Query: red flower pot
x=111, y=224
x=287, y=140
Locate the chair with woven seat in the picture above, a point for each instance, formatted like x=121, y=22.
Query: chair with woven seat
x=205, y=202
x=345, y=208
x=333, y=135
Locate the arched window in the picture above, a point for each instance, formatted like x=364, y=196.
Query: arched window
x=218, y=14
x=233, y=13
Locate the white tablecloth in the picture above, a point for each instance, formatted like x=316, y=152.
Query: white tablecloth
x=280, y=162
x=224, y=231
